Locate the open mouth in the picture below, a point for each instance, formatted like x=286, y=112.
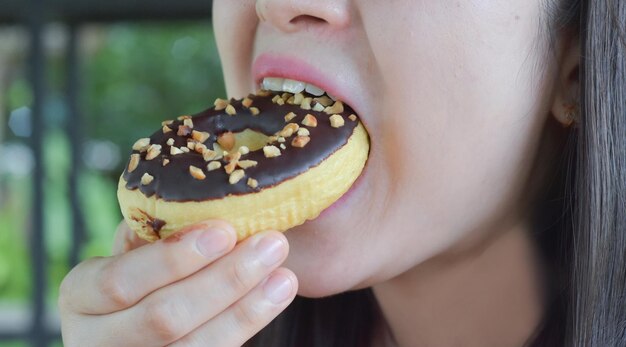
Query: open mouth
x=278, y=84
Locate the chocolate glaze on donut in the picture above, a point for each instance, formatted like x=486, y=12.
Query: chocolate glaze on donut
x=173, y=182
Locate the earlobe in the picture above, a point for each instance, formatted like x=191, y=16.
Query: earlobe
x=566, y=103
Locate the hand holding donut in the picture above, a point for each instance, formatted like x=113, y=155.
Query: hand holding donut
x=195, y=289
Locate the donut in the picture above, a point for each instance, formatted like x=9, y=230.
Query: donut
x=267, y=161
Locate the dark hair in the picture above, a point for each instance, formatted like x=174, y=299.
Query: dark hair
x=580, y=222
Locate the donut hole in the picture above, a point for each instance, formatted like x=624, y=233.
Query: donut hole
x=252, y=139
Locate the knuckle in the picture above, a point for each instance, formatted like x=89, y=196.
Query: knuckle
x=172, y=264
x=163, y=317
x=67, y=289
x=246, y=316
x=112, y=286
x=240, y=278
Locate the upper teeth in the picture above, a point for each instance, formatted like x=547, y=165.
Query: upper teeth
x=290, y=86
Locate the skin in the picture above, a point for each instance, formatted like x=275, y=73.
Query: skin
x=460, y=101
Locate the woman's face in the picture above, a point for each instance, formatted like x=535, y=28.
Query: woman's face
x=454, y=95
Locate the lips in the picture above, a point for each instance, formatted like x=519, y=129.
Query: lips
x=292, y=72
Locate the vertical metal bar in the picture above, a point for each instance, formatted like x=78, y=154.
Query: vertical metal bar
x=74, y=132
x=37, y=249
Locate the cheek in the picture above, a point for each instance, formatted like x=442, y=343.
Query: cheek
x=463, y=109
x=461, y=114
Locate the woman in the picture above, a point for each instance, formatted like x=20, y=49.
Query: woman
x=491, y=213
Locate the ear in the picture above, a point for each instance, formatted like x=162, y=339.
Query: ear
x=566, y=104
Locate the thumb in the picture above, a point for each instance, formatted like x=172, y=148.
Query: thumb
x=126, y=240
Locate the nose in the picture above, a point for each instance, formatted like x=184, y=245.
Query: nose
x=293, y=15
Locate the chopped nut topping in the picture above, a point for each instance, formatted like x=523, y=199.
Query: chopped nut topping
x=185, y=149
x=245, y=164
x=200, y=136
x=183, y=117
x=196, y=173
x=247, y=102
x=309, y=121
x=134, y=162
x=146, y=179
x=289, y=129
x=230, y=110
x=153, y=152
x=286, y=95
x=275, y=98
x=232, y=157
x=230, y=167
x=306, y=104
x=191, y=145
x=300, y=141
x=175, y=151
x=170, y=142
x=291, y=100
x=318, y=107
x=200, y=148
x=282, y=146
x=226, y=140
x=166, y=161
x=281, y=139
x=336, y=108
x=280, y=102
x=324, y=100
x=141, y=144
x=244, y=150
x=183, y=130
x=188, y=122
x=303, y=132
x=352, y=117
x=252, y=183
x=167, y=122
x=290, y=116
x=263, y=92
x=166, y=129
x=209, y=155
x=271, y=151
x=236, y=176
x=220, y=104
x=214, y=165
x=272, y=139
x=336, y=121
x=254, y=110
x=297, y=99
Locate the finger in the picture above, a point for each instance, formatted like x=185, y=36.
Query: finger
x=248, y=316
x=106, y=285
x=174, y=311
x=126, y=239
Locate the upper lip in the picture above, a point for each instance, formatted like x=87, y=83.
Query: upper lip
x=270, y=65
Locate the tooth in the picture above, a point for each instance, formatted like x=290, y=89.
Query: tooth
x=272, y=83
x=293, y=86
x=314, y=90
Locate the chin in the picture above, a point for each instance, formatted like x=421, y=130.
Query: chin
x=322, y=251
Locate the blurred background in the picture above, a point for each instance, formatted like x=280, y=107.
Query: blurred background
x=80, y=81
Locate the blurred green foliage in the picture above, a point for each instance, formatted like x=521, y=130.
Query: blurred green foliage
x=132, y=77
x=144, y=74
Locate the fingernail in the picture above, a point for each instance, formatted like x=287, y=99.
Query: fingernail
x=278, y=288
x=213, y=242
x=270, y=250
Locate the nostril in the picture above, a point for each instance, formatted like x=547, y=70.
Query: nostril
x=307, y=19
